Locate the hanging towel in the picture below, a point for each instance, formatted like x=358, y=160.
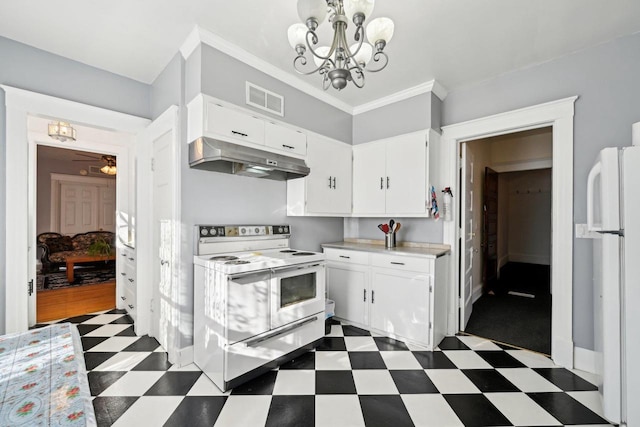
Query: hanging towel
x=434, y=204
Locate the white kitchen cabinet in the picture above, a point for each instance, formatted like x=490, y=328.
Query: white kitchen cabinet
x=127, y=280
x=400, y=303
x=214, y=118
x=285, y=138
x=348, y=287
x=230, y=123
x=327, y=189
x=397, y=295
x=390, y=176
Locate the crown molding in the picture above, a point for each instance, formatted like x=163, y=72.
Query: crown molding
x=200, y=35
x=431, y=86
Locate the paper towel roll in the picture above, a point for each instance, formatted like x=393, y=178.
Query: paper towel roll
x=635, y=134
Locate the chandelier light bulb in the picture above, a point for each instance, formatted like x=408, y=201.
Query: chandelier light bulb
x=322, y=51
x=297, y=35
x=380, y=29
x=312, y=9
x=364, y=54
x=351, y=7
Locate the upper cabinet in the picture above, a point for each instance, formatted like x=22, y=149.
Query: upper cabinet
x=391, y=176
x=210, y=117
x=326, y=191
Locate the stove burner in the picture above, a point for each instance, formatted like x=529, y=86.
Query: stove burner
x=237, y=262
x=303, y=253
x=223, y=258
x=288, y=251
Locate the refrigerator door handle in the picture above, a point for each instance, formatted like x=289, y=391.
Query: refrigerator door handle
x=593, y=173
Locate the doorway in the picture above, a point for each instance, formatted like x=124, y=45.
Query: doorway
x=506, y=219
x=559, y=115
x=75, y=226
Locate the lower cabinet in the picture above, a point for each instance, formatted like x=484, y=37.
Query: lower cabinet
x=126, y=266
x=402, y=297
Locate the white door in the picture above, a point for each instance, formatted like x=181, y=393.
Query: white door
x=369, y=175
x=107, y=208
x=158, y=264
x=468, y=235
x=405, y=181
x=78, y=208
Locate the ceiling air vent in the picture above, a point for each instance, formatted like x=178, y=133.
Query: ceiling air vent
x=264, y=99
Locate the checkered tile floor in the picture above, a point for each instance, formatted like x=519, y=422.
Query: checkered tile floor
x=352, y=379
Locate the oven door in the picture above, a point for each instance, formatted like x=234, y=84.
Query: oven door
x=247, y=305
x=296, y=292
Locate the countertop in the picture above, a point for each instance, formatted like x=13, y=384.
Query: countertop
x=403, y=248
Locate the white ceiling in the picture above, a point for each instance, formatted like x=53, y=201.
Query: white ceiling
x=456, y=42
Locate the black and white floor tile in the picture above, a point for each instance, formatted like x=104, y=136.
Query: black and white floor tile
x=352, y=379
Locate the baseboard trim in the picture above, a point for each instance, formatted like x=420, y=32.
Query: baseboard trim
x=477, y=293
x=562, y=351
x=530, y=259
x=584, y=359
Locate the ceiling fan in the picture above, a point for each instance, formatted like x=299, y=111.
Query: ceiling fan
x=109, y=168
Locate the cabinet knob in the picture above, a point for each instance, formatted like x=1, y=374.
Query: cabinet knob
x=123, y=298
x=130, y=306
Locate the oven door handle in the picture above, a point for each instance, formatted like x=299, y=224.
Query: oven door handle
x=249, y=277
x=254, y=342
x=278, y=271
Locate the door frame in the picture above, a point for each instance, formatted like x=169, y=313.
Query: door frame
x=20, y=172
x=559, y=115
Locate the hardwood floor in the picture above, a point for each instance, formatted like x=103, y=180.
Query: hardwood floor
x=55, y=304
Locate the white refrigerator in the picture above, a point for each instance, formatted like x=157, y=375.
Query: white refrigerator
x=613, y=214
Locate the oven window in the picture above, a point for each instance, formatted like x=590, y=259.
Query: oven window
x=297, y=289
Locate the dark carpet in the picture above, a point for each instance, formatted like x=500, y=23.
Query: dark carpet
x=82, y=276
x=519, y=321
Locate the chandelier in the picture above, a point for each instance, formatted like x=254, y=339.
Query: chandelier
x=340, y=63
x=62, y=131
x=110, y=167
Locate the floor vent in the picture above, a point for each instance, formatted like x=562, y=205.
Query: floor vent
x=265, y=100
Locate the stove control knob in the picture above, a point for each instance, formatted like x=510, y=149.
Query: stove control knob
x=280, y=230
x=286, y=229
x=257, y=230
x=204, y=231
x=214, y=231
x=243, y=231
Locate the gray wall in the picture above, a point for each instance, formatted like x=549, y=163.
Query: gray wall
x=606, y=79
x=224, y=77
x=409, y=115
x=35, y=70
x=167, y=88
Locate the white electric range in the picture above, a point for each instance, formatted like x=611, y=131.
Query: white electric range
x=257, y=303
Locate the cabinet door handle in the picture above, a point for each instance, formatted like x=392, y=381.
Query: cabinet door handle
x=381, y=183
x=397, y=263
x=365, y=296
x=344, y=256
x=288, y=146
x=238, y=133
x=334, y=182
x=130, y=306
x=329, y=182
x=131, y=259
x=373, y=297
x=123, y=298
x=387, y=183
x=131, y=280
x=123, y=274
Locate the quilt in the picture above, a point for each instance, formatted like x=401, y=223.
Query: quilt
x=43, y=379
